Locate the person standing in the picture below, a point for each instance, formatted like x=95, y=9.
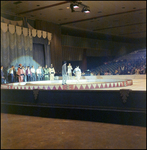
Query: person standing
x=24, y=75
x=77, y=72
x=33, y=73
x=17, y=76
x=64, y=73
x=42, y=73
x=52, y=72
x=8, y=74
x=69, y=67
x=14, y=73
x=2, y=75
x=28, y=74
x=5, y=74
x=46, y=73
x=38, y=72
x=20, y=73
x=11, y=73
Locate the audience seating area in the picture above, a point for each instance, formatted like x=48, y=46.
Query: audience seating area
x=132, y=63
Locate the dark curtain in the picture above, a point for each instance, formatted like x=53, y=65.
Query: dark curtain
x=38, y=54
x=41, y=52
x=55, y=45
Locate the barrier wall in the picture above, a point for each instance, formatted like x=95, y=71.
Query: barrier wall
x=102, y=106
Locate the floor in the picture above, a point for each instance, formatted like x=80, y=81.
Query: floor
x=29, y=132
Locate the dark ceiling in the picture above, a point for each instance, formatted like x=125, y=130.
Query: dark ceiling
x=125, y=19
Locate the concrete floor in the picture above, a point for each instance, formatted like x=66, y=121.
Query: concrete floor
x=29, y=132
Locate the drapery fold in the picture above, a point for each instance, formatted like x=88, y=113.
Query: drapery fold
x=11, y=28
x=17, y=45
x=25, y=31
x=16, y=49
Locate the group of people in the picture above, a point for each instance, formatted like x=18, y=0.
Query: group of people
x=125, y=67
x=67, y=73
x=26, y=74
x=132, y=67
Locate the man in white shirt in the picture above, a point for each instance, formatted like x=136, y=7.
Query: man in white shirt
x=11, y=73
x=38, y=72
x=33, y=73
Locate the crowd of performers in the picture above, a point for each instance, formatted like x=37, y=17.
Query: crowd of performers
x=26, y=74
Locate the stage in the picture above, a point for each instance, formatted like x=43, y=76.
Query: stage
x=83, y=84
x=117, y=99
x=117, y=82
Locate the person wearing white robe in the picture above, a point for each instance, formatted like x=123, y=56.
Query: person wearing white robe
x=77, y=72
x=52, y=72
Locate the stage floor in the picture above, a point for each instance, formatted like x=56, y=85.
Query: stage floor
x=136, y=84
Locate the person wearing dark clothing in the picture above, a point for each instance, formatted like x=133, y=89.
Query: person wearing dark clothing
x=14, y=73
x=46, y=73
x=28, y=74
x=42, y=73
x=2, y=75
x=101, y=72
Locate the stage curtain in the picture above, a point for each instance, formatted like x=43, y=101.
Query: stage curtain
x=45, y=49
x=55, y=48
x=38, y=55
x=16, y=49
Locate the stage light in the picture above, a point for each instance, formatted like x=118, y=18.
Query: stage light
x=86, y=10
x=75, y=5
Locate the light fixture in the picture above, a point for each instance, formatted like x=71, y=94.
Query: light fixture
x=74, y=5
x=86, y=9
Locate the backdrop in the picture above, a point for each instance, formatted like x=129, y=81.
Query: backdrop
x=28, y=51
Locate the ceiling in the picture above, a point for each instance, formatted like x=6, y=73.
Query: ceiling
x=118, y=18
